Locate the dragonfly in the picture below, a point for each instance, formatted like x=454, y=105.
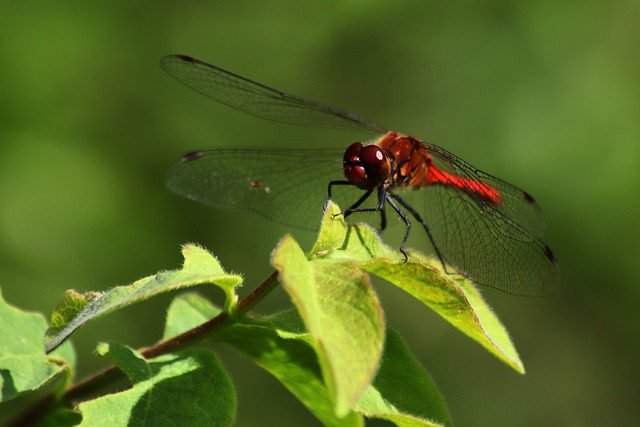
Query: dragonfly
x=479, y=226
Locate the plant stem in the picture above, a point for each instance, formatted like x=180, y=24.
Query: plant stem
x=191, y=337
x=202, y=332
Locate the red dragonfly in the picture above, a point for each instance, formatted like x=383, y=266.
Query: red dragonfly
x=486, y=229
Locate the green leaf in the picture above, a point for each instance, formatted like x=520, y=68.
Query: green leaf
x=24, y=366
x=186, y=312
x=186, y=389
x=403, y=392
x=337, y=240
x=292, y=361
x=59, y=417
x=333, y=231
x=455, y=299
x=76, y=309
x=341, y=313
x=295, y=364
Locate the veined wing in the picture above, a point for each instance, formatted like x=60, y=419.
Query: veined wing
x=494, y=245
x=260, y=100
x=287, y=186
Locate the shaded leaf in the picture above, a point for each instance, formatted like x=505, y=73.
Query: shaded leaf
x=403, y=392
x=190, y=388
x=24, y=366
x=293, y=362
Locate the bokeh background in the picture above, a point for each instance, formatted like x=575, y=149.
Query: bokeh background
x=542, y=94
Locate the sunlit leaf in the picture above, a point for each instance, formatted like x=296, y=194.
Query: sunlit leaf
x=341, y=313
x=76, y=309
x=453, y=297
x=186, y=312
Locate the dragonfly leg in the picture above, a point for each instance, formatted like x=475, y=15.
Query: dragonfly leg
x=380, y=208
x=388, y=199
x=354, y=207
x=417, y=216
x=332, y=183
x=330, y=195
x=383, y=212
x=382, y=197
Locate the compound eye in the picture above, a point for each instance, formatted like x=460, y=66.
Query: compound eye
x=352, y=154
x=376, y=163
x=366, y=166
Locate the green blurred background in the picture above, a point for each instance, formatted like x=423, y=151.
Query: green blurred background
x=542, y=94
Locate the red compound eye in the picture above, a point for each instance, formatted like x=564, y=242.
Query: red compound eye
x=366, y=166
x=376, y=163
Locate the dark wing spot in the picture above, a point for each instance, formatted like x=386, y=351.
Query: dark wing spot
x=549, y=254
x=528, y=198
x=189, y=157
x=186, y=58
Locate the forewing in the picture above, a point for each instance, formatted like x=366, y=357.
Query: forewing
x=497, y=246
x=287, y=186
x=260, y=100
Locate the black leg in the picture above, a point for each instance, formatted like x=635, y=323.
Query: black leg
x=354, y=208
x=383, y=212
x=417, y=216
x=332, y=183
x=381, y=198
x=388, y=197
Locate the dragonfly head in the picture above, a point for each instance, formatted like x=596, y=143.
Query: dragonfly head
x=366, y=166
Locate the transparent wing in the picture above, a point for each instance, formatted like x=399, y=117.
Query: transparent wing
x=287, y=186
x=497, y=246
x=260, y=100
